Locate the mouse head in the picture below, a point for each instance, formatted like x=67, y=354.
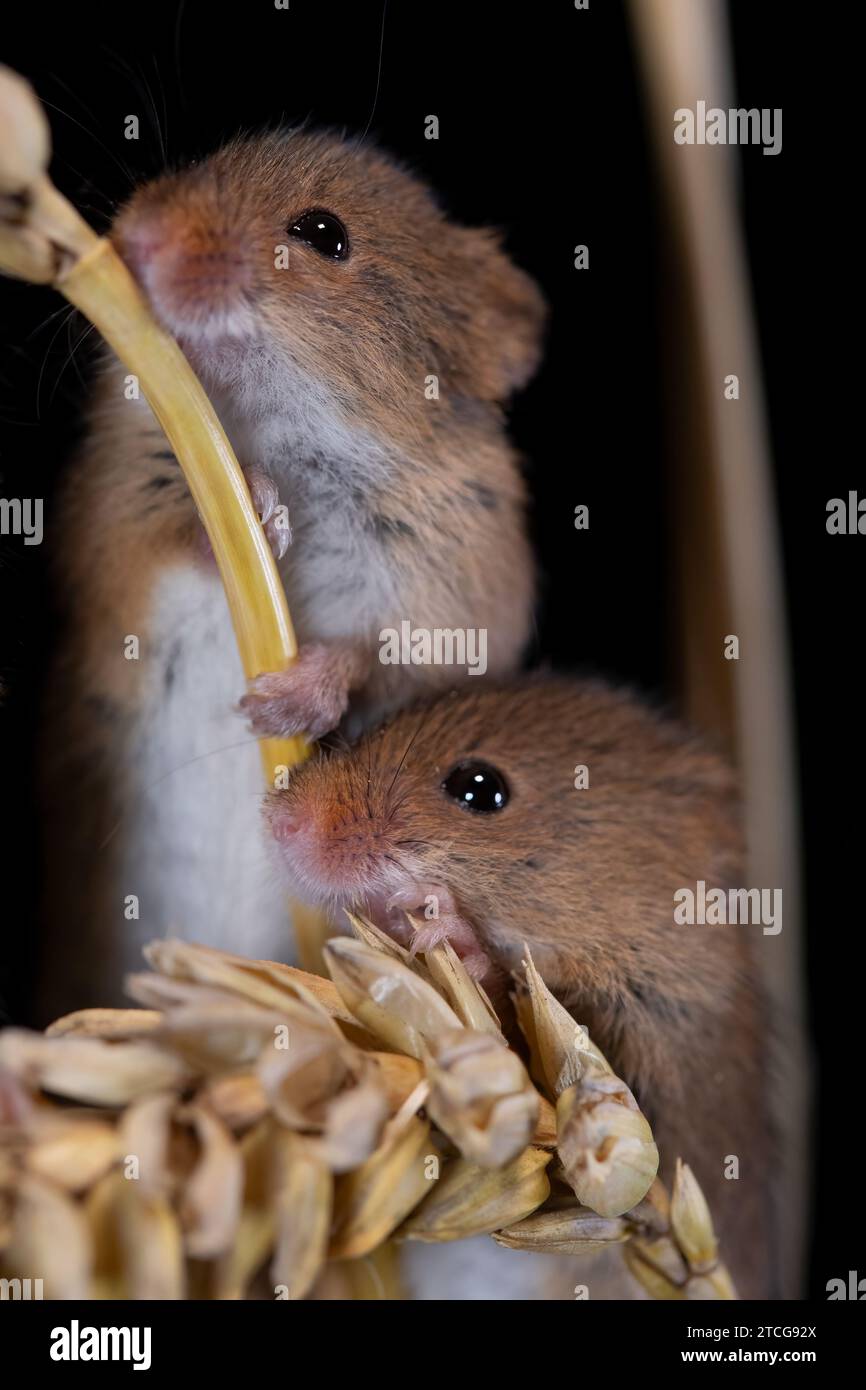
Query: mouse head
x=417, y=818
x=467, y=814
x=302, y=259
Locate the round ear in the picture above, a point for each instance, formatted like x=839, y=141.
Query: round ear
x=507, y=320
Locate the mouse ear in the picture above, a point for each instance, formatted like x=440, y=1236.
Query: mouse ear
x=507, y=323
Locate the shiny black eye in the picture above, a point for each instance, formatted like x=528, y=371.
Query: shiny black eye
x=324, y=232
x=477, y=786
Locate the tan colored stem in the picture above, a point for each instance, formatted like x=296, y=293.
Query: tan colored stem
x=44, y=239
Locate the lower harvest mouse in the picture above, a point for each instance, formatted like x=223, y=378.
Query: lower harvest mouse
x=571, y=817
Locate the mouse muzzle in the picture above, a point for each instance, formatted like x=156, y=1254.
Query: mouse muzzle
x=192, y=265
x=351, y=853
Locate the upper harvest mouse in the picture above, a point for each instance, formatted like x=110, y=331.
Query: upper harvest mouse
x=359, y=347
x=472, y=813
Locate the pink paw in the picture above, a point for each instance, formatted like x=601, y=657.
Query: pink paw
x=460, y=938
x=310, y=697
x=447, y=925
x=271, y=513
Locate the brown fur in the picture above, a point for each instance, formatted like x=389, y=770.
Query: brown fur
x=587, y=878
x=417, y=294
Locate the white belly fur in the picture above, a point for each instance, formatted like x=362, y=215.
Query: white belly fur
x=194, y=847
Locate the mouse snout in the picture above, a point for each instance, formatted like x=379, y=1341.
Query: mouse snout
x=194, y=270
x=285, y=825
x=330, y=851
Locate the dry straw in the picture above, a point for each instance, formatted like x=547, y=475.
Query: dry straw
x=43, y=239
x=251, y=1126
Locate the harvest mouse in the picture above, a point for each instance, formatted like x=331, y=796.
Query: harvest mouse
x=358, y=346
x=472, y=804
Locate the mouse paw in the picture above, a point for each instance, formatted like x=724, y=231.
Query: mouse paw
x=273, y=514
x=310, y=697
x=448, y=924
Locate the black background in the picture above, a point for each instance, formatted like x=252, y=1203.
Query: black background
x=542, y=133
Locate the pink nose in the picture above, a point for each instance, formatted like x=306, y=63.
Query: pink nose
x=285, y=825
x=140, y=242
x=184, y=268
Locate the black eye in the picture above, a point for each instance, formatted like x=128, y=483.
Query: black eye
x=477, y=786
x=324, y=232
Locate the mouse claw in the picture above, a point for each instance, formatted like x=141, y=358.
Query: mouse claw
x=428, y=899
x=273, y=514
x=279, y=532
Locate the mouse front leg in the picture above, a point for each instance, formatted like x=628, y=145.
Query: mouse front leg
x=310, y=696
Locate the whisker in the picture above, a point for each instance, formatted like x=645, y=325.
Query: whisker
x=421, y=724
x=68, y=309
x=369, y=777
x=378, y=72
x=179, y=767
x=124, y=169
x=51, y=343
x=91, y=328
